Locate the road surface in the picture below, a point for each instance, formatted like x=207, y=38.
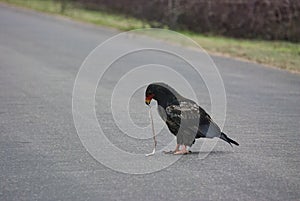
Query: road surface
x=42, y=157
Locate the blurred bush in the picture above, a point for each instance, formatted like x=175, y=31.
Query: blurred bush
x=263, y=19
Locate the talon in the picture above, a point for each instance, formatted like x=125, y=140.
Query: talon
x=181, y=152
x=173, y=152
x=169, y=152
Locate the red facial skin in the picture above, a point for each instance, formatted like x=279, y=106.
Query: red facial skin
x=149, y=98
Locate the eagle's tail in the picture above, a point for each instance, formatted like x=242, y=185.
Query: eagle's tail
x=227, y=139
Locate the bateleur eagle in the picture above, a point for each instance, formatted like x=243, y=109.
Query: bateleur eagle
x=184, y=118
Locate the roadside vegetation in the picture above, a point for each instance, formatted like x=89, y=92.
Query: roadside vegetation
x=282, y=54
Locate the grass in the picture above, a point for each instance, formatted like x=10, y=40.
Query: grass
x=285, y=55
x=95, y=17
x=280, y=54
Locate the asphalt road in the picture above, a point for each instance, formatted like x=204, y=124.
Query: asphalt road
x=42, y=157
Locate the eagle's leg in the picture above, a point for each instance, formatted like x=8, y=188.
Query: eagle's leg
x=173, y=152
x=182, y=151
x=176, y=148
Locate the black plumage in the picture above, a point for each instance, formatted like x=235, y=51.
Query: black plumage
x=184, y=118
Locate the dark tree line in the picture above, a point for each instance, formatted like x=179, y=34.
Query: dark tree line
x=265, y=19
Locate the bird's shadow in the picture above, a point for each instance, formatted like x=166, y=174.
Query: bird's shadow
x=193, y=153
x=217, y=152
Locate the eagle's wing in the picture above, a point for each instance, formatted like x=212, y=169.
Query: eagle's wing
x=184, y=118
x=186, y=110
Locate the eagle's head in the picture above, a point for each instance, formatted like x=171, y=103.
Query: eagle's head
x=160, y=92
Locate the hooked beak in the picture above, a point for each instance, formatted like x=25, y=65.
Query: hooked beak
x=148, y=99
